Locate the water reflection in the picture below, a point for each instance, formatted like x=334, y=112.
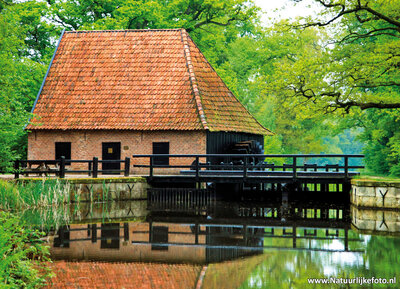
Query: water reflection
x=246, y=244
x=206, y=234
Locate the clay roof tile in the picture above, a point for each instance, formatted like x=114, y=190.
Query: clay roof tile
x=136, y=80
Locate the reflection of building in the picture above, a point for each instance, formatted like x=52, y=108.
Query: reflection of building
x=207, y=235
x=154, y=241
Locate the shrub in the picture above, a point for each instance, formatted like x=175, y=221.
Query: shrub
x=23, y=256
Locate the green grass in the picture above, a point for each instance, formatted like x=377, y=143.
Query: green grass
x=376, y=178
x=22, y=195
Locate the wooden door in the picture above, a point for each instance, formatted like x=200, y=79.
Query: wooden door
x=111, y=151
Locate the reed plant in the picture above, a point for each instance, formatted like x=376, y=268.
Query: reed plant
x=41, y=193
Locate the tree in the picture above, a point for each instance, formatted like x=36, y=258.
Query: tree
x=20, y=79
x=141, y=14
x=259, y=65
x=360, y=59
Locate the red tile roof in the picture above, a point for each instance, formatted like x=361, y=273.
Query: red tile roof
x=136, y=80
x=123, y=275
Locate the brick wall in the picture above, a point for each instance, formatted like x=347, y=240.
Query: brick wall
x=88, y=144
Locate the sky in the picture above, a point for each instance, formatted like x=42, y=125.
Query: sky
x=281, y=9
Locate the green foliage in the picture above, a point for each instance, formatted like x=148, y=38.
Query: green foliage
x=23, y=255
x=357, y=61
x=381, y=136
x=21, y=73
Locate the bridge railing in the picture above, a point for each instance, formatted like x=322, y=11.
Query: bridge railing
x=242, y=164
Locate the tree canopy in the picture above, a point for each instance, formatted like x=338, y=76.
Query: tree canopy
x=359, y=59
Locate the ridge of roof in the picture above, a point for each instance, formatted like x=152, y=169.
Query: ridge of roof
x=192, y=78
x=124, y=30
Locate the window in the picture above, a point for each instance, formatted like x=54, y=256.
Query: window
x=161, y=148
x=63, y=149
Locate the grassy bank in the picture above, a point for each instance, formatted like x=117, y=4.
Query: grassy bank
x=377, y=178
x=22, y=195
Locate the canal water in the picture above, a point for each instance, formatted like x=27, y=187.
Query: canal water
x=205, y=243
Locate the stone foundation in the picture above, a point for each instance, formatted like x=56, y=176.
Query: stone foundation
x=115, y=190
x=375, y=194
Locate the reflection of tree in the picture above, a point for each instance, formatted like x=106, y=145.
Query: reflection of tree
x=285, y=270
x=230, y=274
x=290, y=269
x=383, y=257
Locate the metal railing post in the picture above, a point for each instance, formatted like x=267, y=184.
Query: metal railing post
x=16, y=169
x=95, y=167
x=127, y=166
x=62, y=167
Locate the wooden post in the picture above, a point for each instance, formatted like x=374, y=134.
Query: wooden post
x=126, y=232
x=150, y=231
x=294, y=236
x=95, y=166
x=245, y=236
x=94, y=233
x=16, y=169
x=151, y=166
x=294, y=168
x=245, y=168
x=62, y=167
x=196, y=237
x=127, y=165
x=89, y=168
x=346, y=167
x=197, y=168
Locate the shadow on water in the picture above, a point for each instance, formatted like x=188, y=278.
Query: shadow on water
x=274, y=243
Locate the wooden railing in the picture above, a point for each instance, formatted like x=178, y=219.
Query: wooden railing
x=62, y=166
x=242, y=164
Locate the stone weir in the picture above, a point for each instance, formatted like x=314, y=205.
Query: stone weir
x=375, y=206
x=370, y=193
x=103, y=189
